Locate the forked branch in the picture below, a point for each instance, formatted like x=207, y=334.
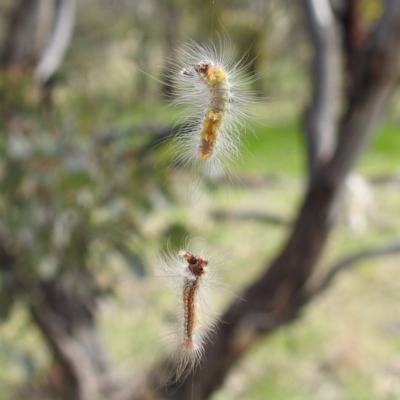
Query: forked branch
x=349, y=262
x=278, y=295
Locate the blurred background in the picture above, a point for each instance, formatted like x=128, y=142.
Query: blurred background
x=88, y=196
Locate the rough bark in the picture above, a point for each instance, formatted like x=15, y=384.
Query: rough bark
x=278, y=295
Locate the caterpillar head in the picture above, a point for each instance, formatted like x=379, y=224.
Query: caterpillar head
x=199, y=68
x=202, y=68
x=196, y=264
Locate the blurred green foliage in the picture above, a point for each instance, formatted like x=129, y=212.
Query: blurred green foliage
x=64, y=184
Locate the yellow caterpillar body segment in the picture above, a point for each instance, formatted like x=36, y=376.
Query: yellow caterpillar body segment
x=215, y=74
x=216, y=78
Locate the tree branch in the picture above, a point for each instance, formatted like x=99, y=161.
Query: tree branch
x=276, y=297
x=349, y=262
x=59, y=42
x=66, y=319
x=268, y=218
x=322, y=114
x=379, y=76
x=20, y=36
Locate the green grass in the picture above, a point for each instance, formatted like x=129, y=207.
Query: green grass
x=275, y=143
x=383, y=154
x=275, y=150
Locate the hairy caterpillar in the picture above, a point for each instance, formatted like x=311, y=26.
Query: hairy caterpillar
x=212, y=87
x=191, y=276
x=215, y=77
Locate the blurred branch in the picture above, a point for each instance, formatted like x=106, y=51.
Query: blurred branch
x=350, y=261
x=385, y=179
x=322, y=113
x=249, y=181
x=157, y=132
x=379, y=75
x=19, y=42
x=65, y=316
x=268, y=218
x=354, y=38
x=58, y=44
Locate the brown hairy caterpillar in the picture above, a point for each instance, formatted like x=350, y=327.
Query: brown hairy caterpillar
x=190, y=276
x=196, y=269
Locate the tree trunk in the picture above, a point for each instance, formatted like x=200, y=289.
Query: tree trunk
x=66, y=320
x=28, y=33
x=20, y=39
x=277, y=297
x=38, y=38
x=321, y=116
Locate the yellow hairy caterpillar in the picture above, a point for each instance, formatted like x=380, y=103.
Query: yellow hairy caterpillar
x=191, y=277
x=212, y=87
x=215, y=77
